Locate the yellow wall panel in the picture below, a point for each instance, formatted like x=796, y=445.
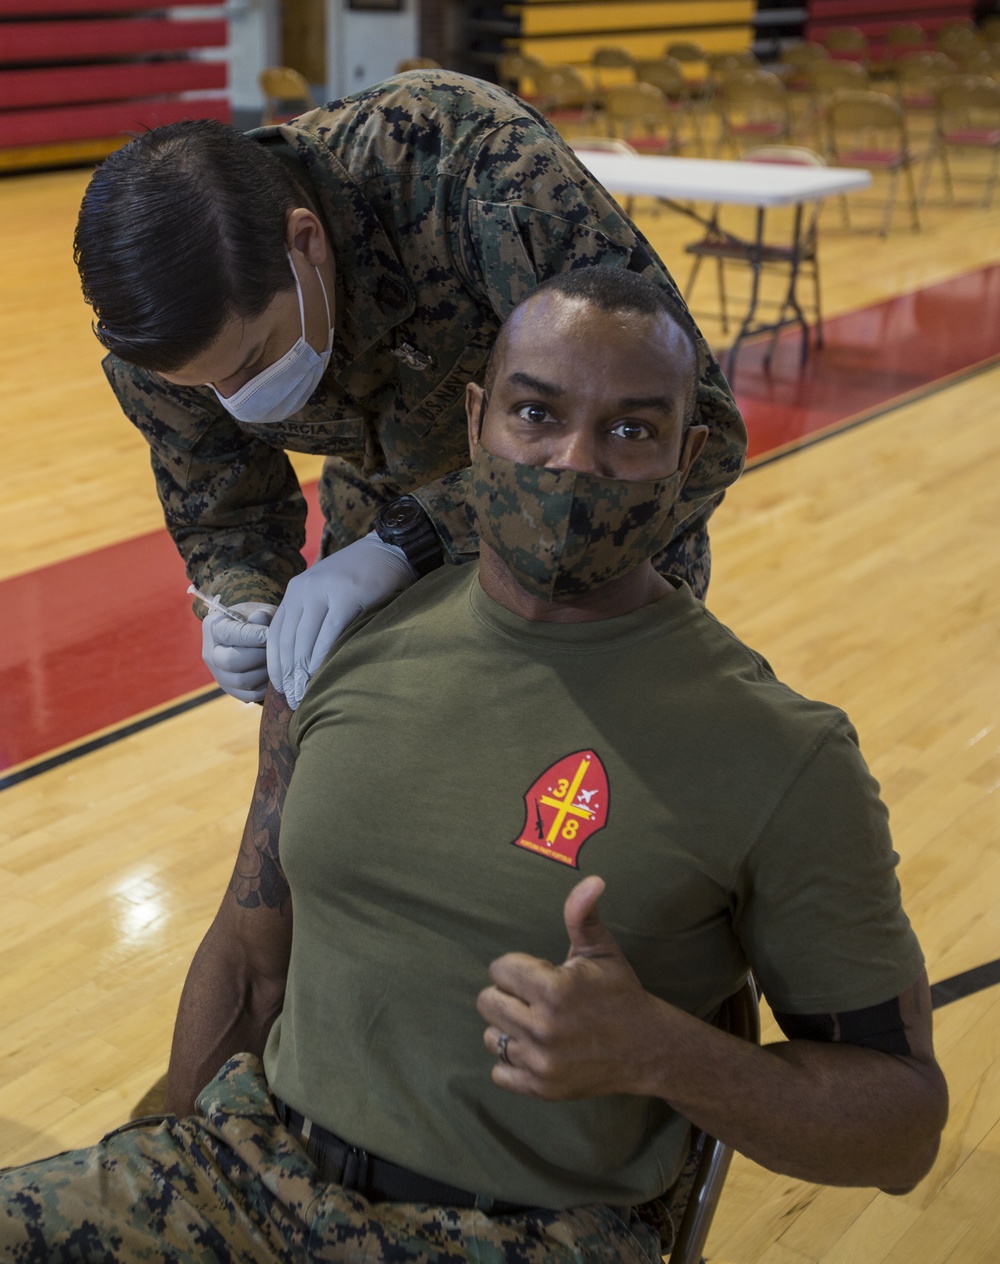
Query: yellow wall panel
x=642, y=15
x=579, y=49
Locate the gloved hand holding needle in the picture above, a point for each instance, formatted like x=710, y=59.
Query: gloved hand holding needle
x=241, y=650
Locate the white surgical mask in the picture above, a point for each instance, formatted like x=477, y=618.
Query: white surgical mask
x=281, y=389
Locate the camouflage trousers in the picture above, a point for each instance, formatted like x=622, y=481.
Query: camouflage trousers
x=231, y=1185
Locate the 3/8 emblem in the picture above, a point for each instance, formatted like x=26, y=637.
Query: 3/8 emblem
x=565, y=806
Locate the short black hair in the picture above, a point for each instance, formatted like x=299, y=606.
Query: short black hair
x=612, y=290
x=180, y=230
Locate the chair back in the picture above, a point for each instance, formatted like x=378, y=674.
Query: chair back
x=721, y=62
x=870, y=126
x=642, y=115
x=664, y=73
x=601, y=145
x=804, y=54
x=954, y=37
x=612, y=55
x=740, y=1016
x=784, y=155
x=918, y=75
x=753, y=106
x=514, y=68
x=826, y=76
x=847, y=41
x=968, y=104
x=904, y=37
x=686, y=50
x=564, y=96
x=612, y=65
x=286, y=94
x=974, y=59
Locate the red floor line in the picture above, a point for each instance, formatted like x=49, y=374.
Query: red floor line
x=871, y=414
x=95, y=641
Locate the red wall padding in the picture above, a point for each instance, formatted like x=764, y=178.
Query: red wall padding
x=52, y=8
x=851, y=12
x=875, y=17
x=90, y=40
x=83, y=122
x=64, y=85
x=83, y=70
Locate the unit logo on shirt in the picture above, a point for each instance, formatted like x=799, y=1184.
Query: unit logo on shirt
x=565, y=806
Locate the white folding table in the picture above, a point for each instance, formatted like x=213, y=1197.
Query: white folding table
x=757, y=184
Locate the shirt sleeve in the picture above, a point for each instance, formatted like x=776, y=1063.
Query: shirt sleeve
x=231, y=503
x=819, y=912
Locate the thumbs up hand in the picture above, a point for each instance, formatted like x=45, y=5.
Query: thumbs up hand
x=581, y=1029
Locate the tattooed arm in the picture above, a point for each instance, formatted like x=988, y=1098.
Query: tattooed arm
x=236, y=984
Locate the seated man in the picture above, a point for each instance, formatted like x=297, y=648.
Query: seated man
x=556, y=756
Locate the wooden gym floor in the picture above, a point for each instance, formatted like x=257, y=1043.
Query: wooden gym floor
x=864, y=566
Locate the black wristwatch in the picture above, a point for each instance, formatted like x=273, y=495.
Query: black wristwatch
x=404, y=523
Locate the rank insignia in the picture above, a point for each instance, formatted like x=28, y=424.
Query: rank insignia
x=408, y=354
x=565, y=806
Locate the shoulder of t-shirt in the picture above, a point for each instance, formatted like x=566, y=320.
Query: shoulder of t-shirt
x=741, y=673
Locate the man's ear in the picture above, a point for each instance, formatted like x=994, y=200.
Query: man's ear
x=473, y=412
x=691, y=446
x=304, y=232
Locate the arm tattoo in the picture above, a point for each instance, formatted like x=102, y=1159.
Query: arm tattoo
x=258, y=878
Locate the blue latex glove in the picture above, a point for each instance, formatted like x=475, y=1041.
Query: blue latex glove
x=320, y=603
x=236, y=652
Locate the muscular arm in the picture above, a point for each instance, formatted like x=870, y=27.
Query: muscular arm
x=834, y=1113
x=236, y=984
x=830, y=1112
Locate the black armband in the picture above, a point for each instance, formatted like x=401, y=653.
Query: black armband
x=878, y=1027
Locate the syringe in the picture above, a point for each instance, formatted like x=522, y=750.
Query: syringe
x=214, y=603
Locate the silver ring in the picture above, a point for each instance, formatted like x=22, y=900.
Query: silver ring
x=502, y=1049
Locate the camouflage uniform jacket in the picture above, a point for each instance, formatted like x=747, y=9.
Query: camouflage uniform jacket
x=445, y=200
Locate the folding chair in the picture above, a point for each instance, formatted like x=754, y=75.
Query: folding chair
x=905, y=37
x=609, y=57
x=693, y=58
x=563, y=96
x=826, y=78
x=740, y=1017
x=796, y=60
x=517, y=70
x=666, y=74
x=955, y=38
x=744, y=60
x=641, y=115
x=917, y=78
x=753, y=108
x=848, y=41
x=868, y=129
x=967, y=117
x=286, y=94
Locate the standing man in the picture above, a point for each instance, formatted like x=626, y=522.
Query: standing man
x=330, y=286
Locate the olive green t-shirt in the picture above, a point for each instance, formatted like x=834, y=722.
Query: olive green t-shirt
x=459, y=769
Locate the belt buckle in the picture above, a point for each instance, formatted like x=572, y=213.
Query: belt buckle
x=355, y=1173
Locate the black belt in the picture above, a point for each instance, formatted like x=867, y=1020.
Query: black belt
x=377, y=1179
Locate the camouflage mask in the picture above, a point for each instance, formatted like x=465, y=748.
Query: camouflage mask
x=563, y=533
